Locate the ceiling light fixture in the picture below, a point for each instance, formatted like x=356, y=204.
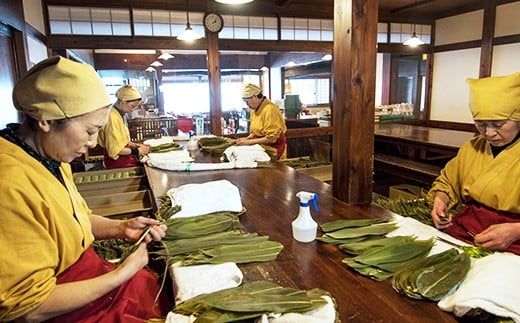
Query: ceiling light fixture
x=188, y=34
x=234, y=1
x=326, y=57
x=166, y=56
x=156, y=64
x=414, y=41
x=150, y=69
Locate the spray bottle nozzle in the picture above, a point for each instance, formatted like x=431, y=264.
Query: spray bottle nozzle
x=305, y=197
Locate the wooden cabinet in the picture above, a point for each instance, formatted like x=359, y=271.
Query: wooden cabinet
x=117, y=193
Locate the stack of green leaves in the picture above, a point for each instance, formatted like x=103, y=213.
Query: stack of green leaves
x=214, y=145
x=432, y=277
x=346, y=231
x=251, y=300
x=163, y=148
x=381, y=262
x=212, y=239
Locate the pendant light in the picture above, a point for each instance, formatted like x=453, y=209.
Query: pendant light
x=188, y=34
x=234, y=1
x=414, y=41
x=165, y=56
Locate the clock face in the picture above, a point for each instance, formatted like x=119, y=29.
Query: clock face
x=213, y=22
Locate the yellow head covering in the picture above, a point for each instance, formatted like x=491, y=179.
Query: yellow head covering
x=495, y=98
x=128, y=93
x=58, y=88
x=249, y=90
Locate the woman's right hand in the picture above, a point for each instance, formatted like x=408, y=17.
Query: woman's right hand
x=441, y=217
x=136, y=261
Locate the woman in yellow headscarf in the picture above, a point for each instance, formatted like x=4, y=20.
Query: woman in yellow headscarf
x=119, y=150
x=49, y=270
x=267, y=126
x=485, y=174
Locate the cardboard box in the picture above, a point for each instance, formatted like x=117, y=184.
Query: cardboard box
x=406, y=191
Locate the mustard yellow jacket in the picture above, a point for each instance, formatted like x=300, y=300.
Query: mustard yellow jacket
x=267, y=121
x=44, y=228
x=475, y=175
x=115, y=134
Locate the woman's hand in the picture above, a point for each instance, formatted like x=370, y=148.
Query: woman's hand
x=143, y=150
x=498, y=236
x=133, y=228
x=242, y=142
x=441, y=217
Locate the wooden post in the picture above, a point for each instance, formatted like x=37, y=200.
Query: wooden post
x=488, y=33
x=215, y=98
x=354, y=68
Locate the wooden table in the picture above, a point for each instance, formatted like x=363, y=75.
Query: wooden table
x=269, y=196
x=444, y=141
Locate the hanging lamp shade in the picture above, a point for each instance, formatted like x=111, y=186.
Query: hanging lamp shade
x=414, y=41
x=165, y=56
x=188, y=34
x=234, y=1
x=156, y=64
x=150, y=69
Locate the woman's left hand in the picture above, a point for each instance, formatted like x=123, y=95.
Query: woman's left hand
x=498, y=236
x=133, y=228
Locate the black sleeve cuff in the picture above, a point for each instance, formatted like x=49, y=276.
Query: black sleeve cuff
x=135, y=152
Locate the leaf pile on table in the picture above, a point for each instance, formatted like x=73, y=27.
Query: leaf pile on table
x=432, y=277
x=404, y=258
x=214, y=145
x=166, y=147
x=210, y=239
x=251, y=300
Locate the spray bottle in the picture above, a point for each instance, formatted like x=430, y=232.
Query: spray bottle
x=192, y=143
x=304, y=227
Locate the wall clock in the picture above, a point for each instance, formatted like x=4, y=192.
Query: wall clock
x=213, y=22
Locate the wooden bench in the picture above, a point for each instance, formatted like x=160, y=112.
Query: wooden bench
x=406, y=168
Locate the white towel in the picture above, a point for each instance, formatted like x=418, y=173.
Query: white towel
x=323, y=314
x=178, y=166
x=204, y=198
x=174, y=155
x=491, y=284
x=158, y=141
x=253, y=153
x=191, y=281
x=411, y=227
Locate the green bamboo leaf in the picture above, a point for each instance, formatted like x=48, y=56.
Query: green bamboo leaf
x=376, y=229
x=341, y=224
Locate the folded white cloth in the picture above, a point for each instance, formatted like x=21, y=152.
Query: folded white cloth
x=180, y=155
x=253, y=153
x=204, y=198
x=179, y=318
x=191, y=281
x=178, y=166
x=158, y=141
x=323, y=314
x=410, y=227
x=491, y=284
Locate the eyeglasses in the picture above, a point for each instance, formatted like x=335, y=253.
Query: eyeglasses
x=247, y=98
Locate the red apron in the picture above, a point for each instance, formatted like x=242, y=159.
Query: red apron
x=476, y=218
x=123, y=161
x=279, y=144
x=130, y=302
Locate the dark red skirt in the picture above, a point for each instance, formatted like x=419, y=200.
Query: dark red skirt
x=122, y=161
x=130, y=302
x=475, y=218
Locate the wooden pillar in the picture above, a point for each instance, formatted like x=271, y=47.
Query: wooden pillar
x=354, y=66
x=488, y=33
x=215, y=97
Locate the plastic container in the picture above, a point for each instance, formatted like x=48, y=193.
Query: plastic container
x=304, y=228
